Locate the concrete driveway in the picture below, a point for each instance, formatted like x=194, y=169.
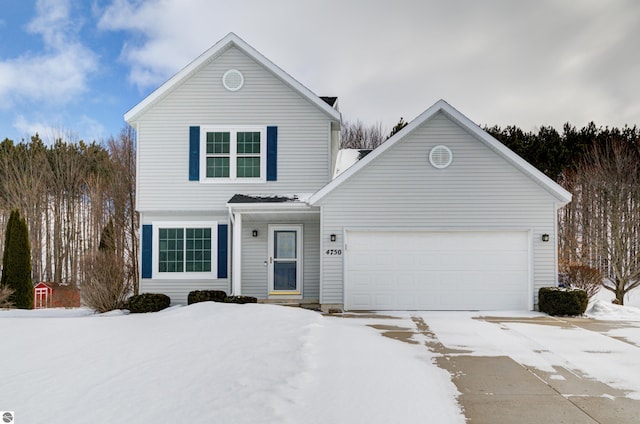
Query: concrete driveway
x=497, y=389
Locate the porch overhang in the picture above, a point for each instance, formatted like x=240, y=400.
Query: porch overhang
x=266, y=208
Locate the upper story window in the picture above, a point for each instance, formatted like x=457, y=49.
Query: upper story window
x=233, y=153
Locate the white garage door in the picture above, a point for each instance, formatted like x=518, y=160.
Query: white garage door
x=437, y=270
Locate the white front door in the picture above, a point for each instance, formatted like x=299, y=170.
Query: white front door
x=285, y=260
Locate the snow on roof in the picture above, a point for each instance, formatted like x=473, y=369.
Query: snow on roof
x=347, y=157
x=269, y=198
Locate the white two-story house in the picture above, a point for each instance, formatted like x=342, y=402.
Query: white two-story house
x=235, y=193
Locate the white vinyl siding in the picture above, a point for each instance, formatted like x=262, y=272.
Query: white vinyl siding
x=402, y=190
x=304, y=134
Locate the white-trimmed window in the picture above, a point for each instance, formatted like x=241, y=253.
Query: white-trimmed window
x=185, y=249
x=233, y=153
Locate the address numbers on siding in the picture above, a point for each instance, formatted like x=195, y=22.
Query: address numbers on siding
x=333, y=252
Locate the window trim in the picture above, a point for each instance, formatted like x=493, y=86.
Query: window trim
x=233, y=153
x=157, y=226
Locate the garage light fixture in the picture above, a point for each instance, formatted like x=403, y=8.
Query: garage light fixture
x=333, y=237
x=545, y=237
x=254, y=233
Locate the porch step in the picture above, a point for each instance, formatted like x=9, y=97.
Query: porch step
x=300, y=303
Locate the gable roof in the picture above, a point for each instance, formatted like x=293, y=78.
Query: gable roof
x=562, y=195
x=231, y=40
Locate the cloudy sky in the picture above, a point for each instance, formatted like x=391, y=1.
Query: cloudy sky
x=77, y=66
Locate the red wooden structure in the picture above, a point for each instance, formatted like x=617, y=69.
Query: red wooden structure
x=54, y=295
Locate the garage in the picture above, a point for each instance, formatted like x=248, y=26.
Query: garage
x=437, y=270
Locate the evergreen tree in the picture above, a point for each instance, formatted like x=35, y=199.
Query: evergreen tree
x=16, y=271
x=108, y=238
x=400, y=125
x=7, y=238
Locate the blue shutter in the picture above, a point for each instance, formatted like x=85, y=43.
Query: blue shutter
x=223, y=231
x=272, y=153
x=147, y=250
x=194, y=153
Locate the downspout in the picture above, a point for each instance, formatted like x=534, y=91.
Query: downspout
x=236, y=256
x=232, y=221
x=555, y=239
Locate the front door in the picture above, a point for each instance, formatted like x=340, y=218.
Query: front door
x=285, y=260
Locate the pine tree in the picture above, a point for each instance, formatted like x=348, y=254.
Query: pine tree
x=108, y=238
x=16, y=271
x=400, y=125
x=7, y=238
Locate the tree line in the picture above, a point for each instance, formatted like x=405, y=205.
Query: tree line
x=600, y=227
x=68, y=191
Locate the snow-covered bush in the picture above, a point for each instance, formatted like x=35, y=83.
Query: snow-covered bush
x=197, y=296
x=148, y=302
x=560, y=301
x=241, y=299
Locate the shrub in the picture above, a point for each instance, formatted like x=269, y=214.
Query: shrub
x=558, y=301
x=106, y=285
x=241, y=299
x=5, y=294
x=148, y=302
x=585, y=278
x=206, y=296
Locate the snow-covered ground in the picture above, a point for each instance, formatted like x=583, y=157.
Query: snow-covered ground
x=610, y=357
x=213, y=362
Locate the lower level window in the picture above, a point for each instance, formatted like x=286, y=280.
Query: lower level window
x=184, y=249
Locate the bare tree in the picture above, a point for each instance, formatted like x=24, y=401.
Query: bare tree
x=355, y=135
x=602, y=227
x=584, y=277
x=123, y=196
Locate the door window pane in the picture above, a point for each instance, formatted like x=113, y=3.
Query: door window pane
x=284, y=275
x=285, y=244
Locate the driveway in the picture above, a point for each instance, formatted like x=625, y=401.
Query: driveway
x=506, y=371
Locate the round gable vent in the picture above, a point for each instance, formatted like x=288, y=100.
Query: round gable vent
x=440, y=157
x=233, y=80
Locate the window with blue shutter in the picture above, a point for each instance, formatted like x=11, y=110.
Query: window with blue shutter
x=194, y=153
x=223, y=232
x=272, y=153
x=147, y=251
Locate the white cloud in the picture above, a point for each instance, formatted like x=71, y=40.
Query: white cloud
x=43, y=128
x=51, y=127
x=58, y=73
x=498, y=61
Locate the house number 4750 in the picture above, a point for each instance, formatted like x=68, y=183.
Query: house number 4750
x=333, y=252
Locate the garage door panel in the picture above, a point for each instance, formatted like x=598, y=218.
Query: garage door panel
x=437, y=270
